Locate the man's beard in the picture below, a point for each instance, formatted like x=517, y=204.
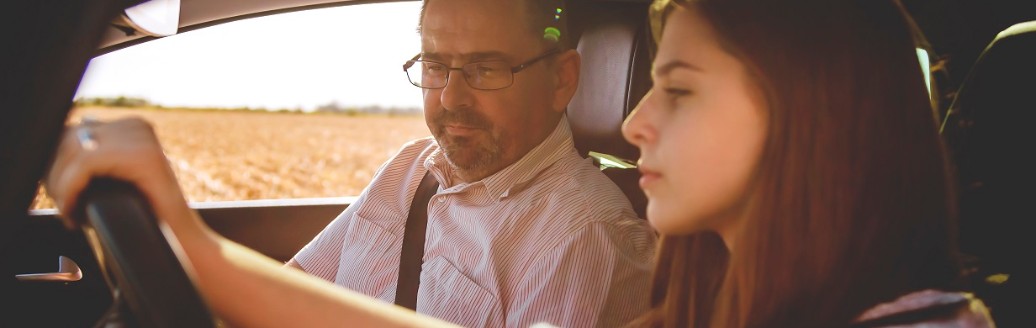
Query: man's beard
x=472, y=154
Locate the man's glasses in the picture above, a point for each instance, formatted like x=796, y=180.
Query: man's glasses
x=481, y=75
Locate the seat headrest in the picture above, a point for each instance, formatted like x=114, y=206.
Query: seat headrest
x=614, y=76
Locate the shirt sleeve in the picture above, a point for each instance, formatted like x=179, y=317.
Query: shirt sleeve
x=321, y=256
x=929, y=308
x=599, y=277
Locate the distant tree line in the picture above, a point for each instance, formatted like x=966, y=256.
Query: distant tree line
x=335, y=107
x=114, y=102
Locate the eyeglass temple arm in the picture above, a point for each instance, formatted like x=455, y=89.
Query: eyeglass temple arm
x=411, y=62
x=529, y=62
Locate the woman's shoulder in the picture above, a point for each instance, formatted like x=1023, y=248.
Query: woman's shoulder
x=928, y=308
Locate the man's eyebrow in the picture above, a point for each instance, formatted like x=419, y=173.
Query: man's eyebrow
x=468, y=57
x=484, y=55
x=672, y=65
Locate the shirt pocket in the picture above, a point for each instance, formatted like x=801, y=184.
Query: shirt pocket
x=370, y=259
x=447, y=293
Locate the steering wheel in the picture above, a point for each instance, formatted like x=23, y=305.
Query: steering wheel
x=149, y=280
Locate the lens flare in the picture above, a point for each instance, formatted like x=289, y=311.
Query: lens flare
x=552, y=34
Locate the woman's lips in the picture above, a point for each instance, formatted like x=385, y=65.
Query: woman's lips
x=648, y=178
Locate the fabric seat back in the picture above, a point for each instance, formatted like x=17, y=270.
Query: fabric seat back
x=614, y=76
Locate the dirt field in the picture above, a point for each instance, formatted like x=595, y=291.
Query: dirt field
x=261, y=155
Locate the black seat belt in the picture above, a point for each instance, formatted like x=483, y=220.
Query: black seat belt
x=410, y=258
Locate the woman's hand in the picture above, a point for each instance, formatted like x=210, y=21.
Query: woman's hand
x=125, y=149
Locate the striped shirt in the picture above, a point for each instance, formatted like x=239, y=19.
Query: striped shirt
x=547, y=239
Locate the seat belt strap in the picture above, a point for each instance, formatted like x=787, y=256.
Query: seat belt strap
x=412, y=254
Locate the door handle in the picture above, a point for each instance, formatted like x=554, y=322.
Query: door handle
x=68, y=271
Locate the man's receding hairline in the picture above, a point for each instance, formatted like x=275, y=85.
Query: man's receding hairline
x=525, y=9
x=528, y=19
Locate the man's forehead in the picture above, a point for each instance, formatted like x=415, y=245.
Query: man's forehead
x=467, y=56
x=479, y=14
x=467, y=45
x=474, y=18
x=469, y=30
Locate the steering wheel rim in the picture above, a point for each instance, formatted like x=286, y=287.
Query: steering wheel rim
x=147, y=272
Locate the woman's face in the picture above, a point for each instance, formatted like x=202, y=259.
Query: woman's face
x=700, y=131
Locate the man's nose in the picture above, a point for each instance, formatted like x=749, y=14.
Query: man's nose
x=457, y=92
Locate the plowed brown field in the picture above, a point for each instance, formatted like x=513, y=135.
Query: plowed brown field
x=262, y=155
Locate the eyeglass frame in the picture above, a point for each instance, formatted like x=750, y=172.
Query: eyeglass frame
x=514, y=69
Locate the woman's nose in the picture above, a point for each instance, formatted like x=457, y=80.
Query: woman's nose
x=637, y=128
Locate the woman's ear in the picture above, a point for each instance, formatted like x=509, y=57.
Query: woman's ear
x=566, y=78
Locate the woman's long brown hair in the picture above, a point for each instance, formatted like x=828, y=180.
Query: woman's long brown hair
x=850, y=204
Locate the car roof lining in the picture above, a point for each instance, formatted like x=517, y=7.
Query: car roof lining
x=196, y=14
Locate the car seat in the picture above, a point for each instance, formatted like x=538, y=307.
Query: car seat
x=614, y=76
x=987, y=129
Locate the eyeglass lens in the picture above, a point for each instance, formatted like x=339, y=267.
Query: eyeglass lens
x=485, y=75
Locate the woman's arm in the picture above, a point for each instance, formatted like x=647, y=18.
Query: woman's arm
x=243, y=287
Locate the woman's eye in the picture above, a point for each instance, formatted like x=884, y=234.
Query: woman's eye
x=677, y=92
x=675, y=97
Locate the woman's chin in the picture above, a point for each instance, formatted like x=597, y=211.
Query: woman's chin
x=665, y=222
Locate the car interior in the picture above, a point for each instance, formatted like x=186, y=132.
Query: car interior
x=985, y=129
x=983, y=125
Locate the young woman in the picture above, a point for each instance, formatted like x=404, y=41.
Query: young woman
x=791, y=161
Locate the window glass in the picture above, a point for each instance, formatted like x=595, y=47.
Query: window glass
x=302, y=104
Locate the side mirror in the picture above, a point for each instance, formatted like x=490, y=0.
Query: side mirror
x=155, y=18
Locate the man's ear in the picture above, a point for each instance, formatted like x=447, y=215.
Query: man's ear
x=566, y=79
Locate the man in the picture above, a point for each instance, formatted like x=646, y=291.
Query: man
x=522, y=224
x=522, y=229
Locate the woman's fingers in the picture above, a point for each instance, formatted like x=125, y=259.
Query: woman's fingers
x=125, y=149
x=62, y=174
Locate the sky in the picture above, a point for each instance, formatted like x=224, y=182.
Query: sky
x=351, y=55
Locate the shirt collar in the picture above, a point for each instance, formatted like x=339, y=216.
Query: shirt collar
x=514, y=177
